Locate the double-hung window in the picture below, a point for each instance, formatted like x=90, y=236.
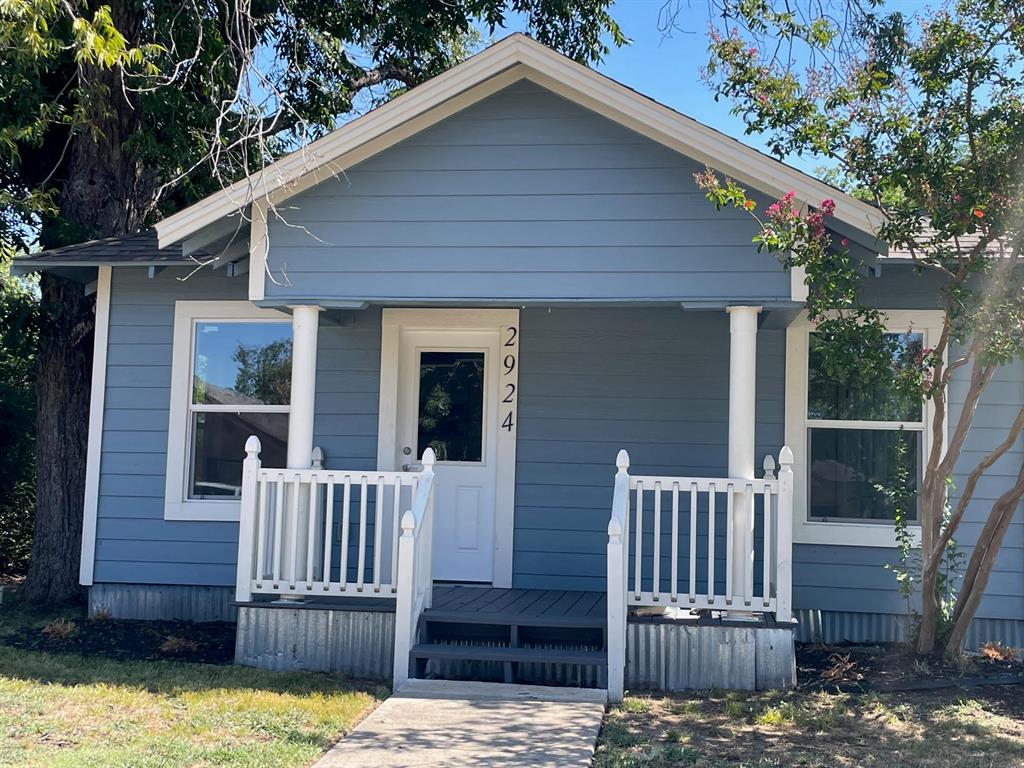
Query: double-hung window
x=855, y=441
x=231, y=378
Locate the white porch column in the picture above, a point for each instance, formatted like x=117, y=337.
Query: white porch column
x=742, y=396
x=305, y=324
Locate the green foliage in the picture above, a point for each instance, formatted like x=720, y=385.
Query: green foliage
x=196, y=95
x=922, y=116
x=901, y=492
x=265, y=371
x=18, y=334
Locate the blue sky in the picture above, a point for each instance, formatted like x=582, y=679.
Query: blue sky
x=668, y=68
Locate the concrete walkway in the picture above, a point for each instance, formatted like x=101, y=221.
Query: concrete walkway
x=447, y=723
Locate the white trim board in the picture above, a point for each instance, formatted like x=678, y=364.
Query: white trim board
x=177, y=506
x=514, y=58
x=393, y=322
x=94, y=448
x=928, y=322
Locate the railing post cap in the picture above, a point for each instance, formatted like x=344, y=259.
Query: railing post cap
x=318, y=457
x=408, y=521
x=615, y=528
x=622, y=460
x=253, y=447
x=428, y=458
x=769, y=466
x=786, y=456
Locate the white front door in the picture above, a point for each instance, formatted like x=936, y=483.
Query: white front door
x=455, y=393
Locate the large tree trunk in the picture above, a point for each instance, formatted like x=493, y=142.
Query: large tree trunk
x=103, y=191
x=63, y=368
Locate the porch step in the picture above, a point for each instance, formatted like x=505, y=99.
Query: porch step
x=426, y=651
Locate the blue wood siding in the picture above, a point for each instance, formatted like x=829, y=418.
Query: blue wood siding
x=134, y=542
x=830, y=577
x=522, y=196
x=591, y=381
x=654, y=381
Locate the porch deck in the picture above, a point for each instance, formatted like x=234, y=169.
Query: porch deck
x=518, y=607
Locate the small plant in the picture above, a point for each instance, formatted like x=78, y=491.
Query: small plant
x=178, y=646
x=778, y=715
x=965, y=664
x=60, y=629
x=736, y=709
x=101, y=615
x=677, y=736
x=921, y=667
x=999, y=652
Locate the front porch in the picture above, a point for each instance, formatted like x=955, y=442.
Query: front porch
x=338, y=578
x=699, y=556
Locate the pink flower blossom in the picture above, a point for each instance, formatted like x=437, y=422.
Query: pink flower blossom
x=844, y=242
x=828, y=207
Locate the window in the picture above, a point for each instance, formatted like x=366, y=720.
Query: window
x=859, y=437
x=231, y=378
x=854, y=441
x=451, y=407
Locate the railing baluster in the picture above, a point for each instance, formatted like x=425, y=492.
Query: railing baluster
x=329, y=533
x=729, y=533
x=396, y=516
x=278, y=529
x=656, y=569
x=693, y=543
x=638, y=549
x=314, y=515
x=360, y=576
x=711, y=542
x=748, y=547
x=261, y=533
x=293, y=526
x=346, y=518
x=675, y=541
x=766, y=542
x=378, y=532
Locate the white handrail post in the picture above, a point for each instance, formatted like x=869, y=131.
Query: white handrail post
x=415, y=578
x=784, y=523
x=404, y=599
x=247, y=520
x=618, y=562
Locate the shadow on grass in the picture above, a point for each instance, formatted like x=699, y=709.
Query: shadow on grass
x=981, y=728
x=163, y=676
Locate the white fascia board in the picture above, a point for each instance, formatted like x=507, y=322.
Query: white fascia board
x=326, y=156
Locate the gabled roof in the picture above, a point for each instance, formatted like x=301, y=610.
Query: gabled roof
x=512, y=59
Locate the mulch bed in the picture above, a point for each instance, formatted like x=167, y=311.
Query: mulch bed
x=856, y=668
x=207, y=642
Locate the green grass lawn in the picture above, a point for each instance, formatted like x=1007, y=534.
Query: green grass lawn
x=66, y=710
x=979, y=728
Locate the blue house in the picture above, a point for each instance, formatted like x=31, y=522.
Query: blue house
x=480, y=384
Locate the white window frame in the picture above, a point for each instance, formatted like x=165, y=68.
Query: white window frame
x=187, y=315
x=854, y=533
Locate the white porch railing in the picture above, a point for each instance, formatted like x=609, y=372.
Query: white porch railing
x=415, y=572
x=666, y=548
x=320, y=532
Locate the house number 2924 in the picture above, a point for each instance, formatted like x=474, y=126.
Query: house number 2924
x=509, y=359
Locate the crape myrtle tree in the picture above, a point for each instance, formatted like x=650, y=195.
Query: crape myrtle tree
x=924, y=117
x=113, y=113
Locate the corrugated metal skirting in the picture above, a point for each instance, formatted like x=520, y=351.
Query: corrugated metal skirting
x=676, y=657
x=357, y=643
x=848, y=626
x=151, y=602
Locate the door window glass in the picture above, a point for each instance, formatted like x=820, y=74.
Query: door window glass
x=451, y=405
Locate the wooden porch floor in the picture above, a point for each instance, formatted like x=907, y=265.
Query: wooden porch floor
x=519, y=607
